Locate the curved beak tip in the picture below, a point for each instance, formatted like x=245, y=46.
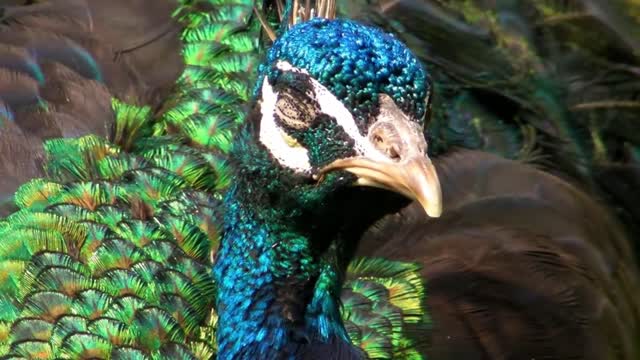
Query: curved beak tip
x=424, y=185
x=415, y=178
x=433, y=210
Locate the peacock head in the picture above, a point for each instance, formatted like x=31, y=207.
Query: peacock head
x=340, y=103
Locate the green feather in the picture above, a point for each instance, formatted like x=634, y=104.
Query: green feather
x=36, y=193
x=132, y=123
x=85, y=346
x=384, y=306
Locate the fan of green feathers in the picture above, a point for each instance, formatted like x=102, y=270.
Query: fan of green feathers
x=110, y=255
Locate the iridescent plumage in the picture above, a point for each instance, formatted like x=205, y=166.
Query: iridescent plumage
x=110, y=253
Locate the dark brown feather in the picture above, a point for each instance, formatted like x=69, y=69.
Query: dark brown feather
x=61, y=62
x=522, y=265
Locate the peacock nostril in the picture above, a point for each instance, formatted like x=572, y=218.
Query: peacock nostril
x=386, y=139
x=393, y=152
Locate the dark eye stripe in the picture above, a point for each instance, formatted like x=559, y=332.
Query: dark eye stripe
x=296, y=106
x=292, y=80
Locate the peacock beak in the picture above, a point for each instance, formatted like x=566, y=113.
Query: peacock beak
x=392, y=157
x=415, y=178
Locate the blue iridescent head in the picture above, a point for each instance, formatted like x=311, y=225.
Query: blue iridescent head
x=356, y=63
x=336, y=96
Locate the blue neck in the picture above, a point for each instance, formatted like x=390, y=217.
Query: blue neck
x=274, y=292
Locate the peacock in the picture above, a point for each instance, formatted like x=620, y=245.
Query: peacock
x=199, y=203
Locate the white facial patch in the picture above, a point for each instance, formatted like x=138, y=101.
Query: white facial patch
x=274, y=137
x=291, y=154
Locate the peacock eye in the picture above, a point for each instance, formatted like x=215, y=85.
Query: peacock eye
x=295, y=109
